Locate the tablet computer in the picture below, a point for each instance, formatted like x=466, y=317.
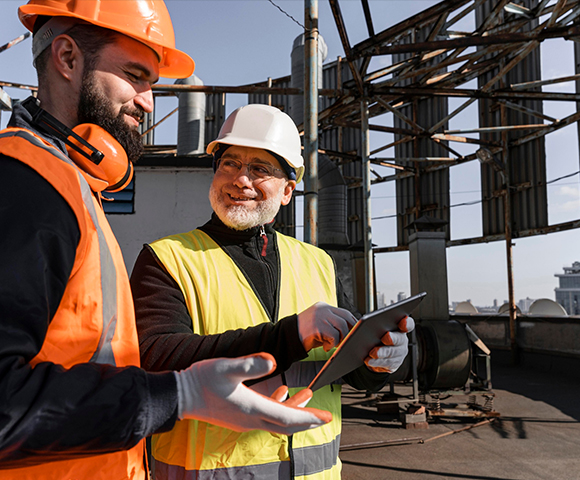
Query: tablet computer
x=363, y=337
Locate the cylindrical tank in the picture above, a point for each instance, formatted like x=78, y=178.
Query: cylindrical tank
x=443, y=356
x=297, y=74
x=332, y=204
x=191, y=119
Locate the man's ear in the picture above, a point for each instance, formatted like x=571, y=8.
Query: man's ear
x=67, y=58
x=288, y=189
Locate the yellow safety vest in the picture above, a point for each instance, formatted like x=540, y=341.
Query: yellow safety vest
x=220, y=298
x=95, y=320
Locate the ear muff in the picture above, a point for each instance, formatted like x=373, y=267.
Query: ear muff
x=113, y=169
x=102, y=159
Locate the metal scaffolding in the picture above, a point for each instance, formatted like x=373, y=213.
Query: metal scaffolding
x=432, y=61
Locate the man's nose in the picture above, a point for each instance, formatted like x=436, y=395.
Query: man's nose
x=242, y=178
x=145, y=100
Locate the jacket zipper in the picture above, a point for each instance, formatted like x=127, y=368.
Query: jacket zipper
x=264, y=239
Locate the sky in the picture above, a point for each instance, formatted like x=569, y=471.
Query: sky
x=237, y=42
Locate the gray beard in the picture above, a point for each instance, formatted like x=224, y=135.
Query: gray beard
x=239, y=217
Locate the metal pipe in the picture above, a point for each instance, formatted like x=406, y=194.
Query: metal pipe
x=508, y=235
x=366, y=187
x=498, y=129
x=311, y=121
x=16, y=41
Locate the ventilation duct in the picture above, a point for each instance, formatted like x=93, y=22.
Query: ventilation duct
x=191, y=119
x=297, y=74
x=332, y=204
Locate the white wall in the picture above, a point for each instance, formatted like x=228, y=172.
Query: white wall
x=167, y=201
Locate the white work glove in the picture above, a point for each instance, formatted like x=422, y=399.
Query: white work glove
x=388, y=358
x=323, y=325
x=212, y=391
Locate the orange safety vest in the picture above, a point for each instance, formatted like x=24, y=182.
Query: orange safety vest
x=95, y=321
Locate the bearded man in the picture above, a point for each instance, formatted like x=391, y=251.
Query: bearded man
x=235, y=286
x=75, y=404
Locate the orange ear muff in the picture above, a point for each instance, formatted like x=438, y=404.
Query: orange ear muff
x=113, y=171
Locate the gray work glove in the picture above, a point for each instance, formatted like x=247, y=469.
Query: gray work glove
x=388, y=357
x=322, y=325
x=212, y=391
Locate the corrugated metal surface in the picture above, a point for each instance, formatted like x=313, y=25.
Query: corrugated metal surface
x=577, y=71
x=527, y=162
x=342, y=139
x=215, y=112
x=427, y=193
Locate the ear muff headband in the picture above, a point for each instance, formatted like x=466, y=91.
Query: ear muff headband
x=91, y=147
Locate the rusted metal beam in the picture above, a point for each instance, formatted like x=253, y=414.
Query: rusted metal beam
x=368, y=17
x=528, y=111
x=477, y=40
x=335, y=7
x=416, y=21
x=539, y=83
x=16, y=41
x=459, y=139
x=23, y=86
x=474, y=93
x=560, y=227
x=498, y=129
x=324, y=92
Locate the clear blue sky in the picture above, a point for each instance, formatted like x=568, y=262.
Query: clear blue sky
x=235, y=42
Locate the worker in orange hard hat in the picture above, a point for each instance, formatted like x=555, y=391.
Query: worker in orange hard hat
x=75, y=404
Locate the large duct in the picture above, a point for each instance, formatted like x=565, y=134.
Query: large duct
x=297, y=74
x=191, y=121
x=332, y=204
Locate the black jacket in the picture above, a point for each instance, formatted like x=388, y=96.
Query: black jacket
x=164, y=326
x=48, y=413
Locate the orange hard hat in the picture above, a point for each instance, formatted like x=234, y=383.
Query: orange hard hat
x=147, y=21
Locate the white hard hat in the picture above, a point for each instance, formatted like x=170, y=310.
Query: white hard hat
x=262, y=126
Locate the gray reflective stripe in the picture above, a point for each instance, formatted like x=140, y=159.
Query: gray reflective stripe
x=315, y=458
x=268, y=471
x=104, y=351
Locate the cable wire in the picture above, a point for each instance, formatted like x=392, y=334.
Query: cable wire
x=288, y=15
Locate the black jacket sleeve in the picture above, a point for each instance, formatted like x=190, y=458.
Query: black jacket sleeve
x=165, y=329
x=48, y=412
x=362, y=378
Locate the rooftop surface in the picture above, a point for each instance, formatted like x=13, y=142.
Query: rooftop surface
x=536, y=436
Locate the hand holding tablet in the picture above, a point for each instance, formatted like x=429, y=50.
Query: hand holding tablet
x=364, y=336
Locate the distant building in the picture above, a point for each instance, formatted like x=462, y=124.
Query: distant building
x=381, y=300
x=401, y=296
x=568, y=293
x=525, y=304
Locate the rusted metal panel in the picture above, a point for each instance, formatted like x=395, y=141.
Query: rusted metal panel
x=527, y=162
x=425, y=193
x=215, y=112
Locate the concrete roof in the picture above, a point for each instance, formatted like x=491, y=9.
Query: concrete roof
x=537, y=435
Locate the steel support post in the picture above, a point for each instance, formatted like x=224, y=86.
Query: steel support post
x=366, y=186
x=311, y=121
x=508, y=239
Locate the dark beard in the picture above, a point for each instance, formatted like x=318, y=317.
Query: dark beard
x=96, y=108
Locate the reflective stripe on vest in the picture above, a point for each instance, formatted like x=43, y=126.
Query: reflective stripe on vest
x=95, y=319
x=204, y=273
x=267, y=471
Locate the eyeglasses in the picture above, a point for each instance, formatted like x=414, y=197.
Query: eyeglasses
x=256, y=170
